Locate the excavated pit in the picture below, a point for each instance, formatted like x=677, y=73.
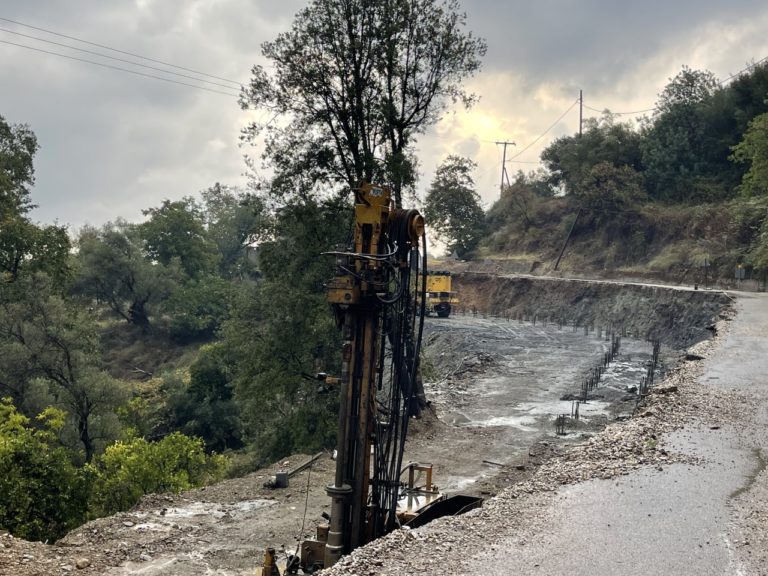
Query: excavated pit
x=496, y=375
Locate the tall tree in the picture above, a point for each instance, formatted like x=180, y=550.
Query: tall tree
x=674, y=143
x=753, y=151
x=357, y=80
x=44, y=337
x=18, y=145
x=176, y=230
x=24, y=246
x=452, y=207
x=233, y=221
x=114, y=270
x=570, y=158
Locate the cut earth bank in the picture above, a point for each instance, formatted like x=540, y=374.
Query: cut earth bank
x=223, y=529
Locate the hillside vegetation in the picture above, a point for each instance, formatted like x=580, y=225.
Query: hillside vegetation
x=681, y=195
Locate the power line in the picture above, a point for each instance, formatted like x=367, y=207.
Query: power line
x=132, y=63
x=120, y=51
x=547, y=130
x=619, y=113
x=232, y=94
x=719, y=83
x=732, y=76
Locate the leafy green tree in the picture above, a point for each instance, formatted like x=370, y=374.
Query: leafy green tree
x=46, y=338
x=18, y=146
x=357, y=81
x=176, y=231
x=24, y=246
x=42, y=494
x=130, y=469
x=570, y=158
x=674, y=144
x=233, y=222
x=206, y=406
x=114, y=271
x=753, y=150
x=199, y=307
x=282, y=332
x=452, y=208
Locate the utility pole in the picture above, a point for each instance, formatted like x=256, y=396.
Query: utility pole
x=581, y=110
x=504, y=174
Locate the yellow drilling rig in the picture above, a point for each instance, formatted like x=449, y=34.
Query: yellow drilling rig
x=378, y=300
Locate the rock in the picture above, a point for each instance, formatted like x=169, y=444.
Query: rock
x=128, y=524
x=81, y=563
x=144, y=557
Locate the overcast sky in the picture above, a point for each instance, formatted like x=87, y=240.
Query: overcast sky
x=114, y=143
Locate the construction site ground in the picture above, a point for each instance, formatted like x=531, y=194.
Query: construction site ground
x=683, y=477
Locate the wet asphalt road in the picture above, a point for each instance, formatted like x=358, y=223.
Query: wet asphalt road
x=675, y=521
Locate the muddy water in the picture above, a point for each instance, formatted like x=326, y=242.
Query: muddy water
x=502, y=382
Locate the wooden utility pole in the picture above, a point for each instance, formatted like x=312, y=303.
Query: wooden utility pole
x=504, y=174
x=581, y=110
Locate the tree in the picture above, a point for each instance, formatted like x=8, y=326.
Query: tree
x=114, y=270
x=233, y=222
x=130, y=469
x=18, y=146
x=281, y=332
x=24, y=246
x=46, y=339
x=753, y=150
x=675, y=142
x=607, y=189
x=570, y=158
x=358, y=80
x=452, y=207
x=175, y=231
x=42, y=494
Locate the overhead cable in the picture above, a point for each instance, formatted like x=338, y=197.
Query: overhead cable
x=547, y=130
x=131, y=62
x=119, y=51
x=233, y=94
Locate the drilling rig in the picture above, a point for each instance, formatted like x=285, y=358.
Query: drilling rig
x=375, y=299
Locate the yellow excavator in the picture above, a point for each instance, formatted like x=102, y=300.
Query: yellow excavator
x=440, y=296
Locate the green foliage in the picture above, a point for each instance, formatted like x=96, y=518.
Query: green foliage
x=452, y=208
x=282, y=331
x=753, y=150
x=130, y=469
x=205, y=407
x=24, y=246
x=233, y=222
x=570, y=158
x=175, y=232
x=115, y=272
x=46, y=339
x=199, y=307
x=18, y=146
x=357, y=81
x=42, y=494
x=681, y=158
x=609, y=188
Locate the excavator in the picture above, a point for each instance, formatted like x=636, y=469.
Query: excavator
x=378, y=300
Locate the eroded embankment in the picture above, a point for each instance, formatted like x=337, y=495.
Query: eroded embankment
x=678, y=317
